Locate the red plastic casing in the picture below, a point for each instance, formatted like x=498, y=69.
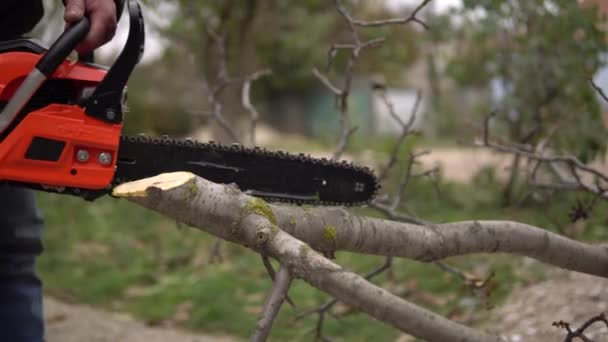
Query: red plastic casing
x=67, y=123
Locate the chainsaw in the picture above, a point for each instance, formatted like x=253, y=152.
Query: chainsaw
x=61, y=121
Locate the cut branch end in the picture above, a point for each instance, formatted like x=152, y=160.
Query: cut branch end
x=163, y=182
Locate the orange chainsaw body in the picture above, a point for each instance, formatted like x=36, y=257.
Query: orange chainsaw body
x=42, y=146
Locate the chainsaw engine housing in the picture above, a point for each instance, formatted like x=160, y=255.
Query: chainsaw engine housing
x=53, y=141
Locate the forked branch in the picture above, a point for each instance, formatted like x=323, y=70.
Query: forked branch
x=277, y=296
x=231, y=215
x=294, y=235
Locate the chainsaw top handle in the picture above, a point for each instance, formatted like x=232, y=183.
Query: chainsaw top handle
x=67, y=42
x=46, y=66
x=106, y=102
x=62, y=47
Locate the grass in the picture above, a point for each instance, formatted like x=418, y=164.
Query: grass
x=117, y=255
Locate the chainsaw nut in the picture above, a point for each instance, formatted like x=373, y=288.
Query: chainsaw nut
x=110, y=114
x=82, y=156
x=105, y=158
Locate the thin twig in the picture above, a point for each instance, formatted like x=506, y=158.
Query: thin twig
x=222, y=81
x=273, y=304
x=469, y=280
x=337, y=91
x=356, y=46
x=396, y=21
x=574, y=165
x=246, y=101
x=272, y=275
x=599, y=90
x=406, y=129
x=394, y=215
x=215, y=255
x=580, y=332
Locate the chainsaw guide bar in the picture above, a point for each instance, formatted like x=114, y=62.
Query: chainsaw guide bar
x=274, y=176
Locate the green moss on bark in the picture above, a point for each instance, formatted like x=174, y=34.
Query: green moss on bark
x=259, y=207
x=330, y=233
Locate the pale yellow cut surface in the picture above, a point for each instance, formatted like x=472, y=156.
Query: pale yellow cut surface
x=165, y=181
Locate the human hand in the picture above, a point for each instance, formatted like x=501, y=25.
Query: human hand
x=102, y=15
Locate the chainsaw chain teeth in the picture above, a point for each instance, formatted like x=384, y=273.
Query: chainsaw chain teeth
x=250, y=158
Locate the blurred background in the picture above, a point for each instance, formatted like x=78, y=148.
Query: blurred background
x=530, y=61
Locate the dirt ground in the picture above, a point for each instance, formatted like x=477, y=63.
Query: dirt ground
x=78, y=323
x=527, y=316
x=529, y=313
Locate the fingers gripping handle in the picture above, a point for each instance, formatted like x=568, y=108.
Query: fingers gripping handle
x=89, y=57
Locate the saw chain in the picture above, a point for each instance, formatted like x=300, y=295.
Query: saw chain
x=275, y=176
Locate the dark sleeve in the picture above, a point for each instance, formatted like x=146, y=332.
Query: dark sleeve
x=18, y=17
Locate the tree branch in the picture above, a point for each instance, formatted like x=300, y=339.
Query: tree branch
x=568, y=180
x=599, y=90
x=272, y=275
x=580, y=332
x=272, y=305
x=329, y=229
x=406, y=129
x=222, y=81
x=326, y=307
x=229, y=214
x=395, y=21
x=246, y=101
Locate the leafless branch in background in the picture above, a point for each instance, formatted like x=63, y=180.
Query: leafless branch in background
x=396, y=21
x=571, y=174
x=277, y=295
x=580, y=332
x=246, y=101
x=390, y=205
x=356, y=47
x=334, y=89
x=480, y=286
x=224, y=80
x=215, y=254
x=406, y=129
x=599, y=90
x=221, y=81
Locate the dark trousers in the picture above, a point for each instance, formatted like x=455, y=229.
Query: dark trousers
x=21, y=316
